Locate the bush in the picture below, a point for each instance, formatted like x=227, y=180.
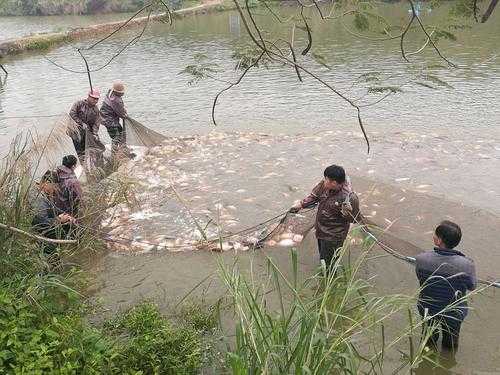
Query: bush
x=34, y=342
x=152, y=345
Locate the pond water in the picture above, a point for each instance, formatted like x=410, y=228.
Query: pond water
x=435, y=153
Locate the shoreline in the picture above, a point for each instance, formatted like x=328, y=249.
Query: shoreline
x=44, y=41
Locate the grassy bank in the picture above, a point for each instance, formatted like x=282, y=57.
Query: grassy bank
x=59, y=7
x=48, y=40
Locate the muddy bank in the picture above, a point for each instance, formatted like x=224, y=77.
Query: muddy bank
x=48, y=40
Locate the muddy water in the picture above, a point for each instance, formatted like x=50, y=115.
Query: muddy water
x=242, y=179
x=169, y=277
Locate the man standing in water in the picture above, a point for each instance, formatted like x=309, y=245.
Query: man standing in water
x=338, y=207
x=112, y=110
x=445, y=275
x=86, y=115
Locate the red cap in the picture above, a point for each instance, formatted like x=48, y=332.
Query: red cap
x=94, y=94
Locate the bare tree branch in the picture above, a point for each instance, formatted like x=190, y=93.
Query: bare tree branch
x=309, y=35
x=231, y=85
x=490, y=10
x=403, y=37
x=87, y=67
x=290, y=62
x=428, y=36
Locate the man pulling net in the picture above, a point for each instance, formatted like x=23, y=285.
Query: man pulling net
x=112, y=111
x=85, y=114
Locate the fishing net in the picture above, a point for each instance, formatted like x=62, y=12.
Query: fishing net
x=47, y=141
x=136, y=135
x=140, y=135
x=45, y=146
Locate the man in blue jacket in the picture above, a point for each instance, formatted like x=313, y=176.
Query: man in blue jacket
x=445, y=275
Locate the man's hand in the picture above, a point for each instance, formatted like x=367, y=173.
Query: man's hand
x=346, y=209
x=295, y=208
x=66, y=218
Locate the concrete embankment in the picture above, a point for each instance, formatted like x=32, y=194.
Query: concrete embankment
x=48, y=40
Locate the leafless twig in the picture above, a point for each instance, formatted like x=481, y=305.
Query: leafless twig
x=231, y=85
x=415, y=15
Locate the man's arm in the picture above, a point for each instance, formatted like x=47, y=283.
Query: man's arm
x=73, y=113
x=313, y=197
x=471, y=272
x=119, y=108
x=75, y=195
x=42, y=221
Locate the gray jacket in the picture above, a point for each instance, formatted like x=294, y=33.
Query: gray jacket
x=445, y=275
x=45, y=216
x=112, y=110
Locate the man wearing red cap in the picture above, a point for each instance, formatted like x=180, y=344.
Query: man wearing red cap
x=86, y=115
x=113, y=112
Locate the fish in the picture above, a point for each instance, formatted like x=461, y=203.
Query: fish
x=286, y=242
x=286, y=235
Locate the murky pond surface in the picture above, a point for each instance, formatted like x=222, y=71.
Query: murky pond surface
x=435, y=153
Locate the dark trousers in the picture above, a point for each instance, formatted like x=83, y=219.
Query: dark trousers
x=79, y=143
x=328, y=251
x=118, y=138
x=449, y=328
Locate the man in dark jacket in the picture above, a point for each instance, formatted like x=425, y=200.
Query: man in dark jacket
x=338, y=207
x=445, y=275
x=69, y=196
x=48, y=219
x=86, y=115
x=112, y=111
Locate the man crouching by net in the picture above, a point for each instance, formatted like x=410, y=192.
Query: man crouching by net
x=338, y=206
x=112, y=110
x=49, y=220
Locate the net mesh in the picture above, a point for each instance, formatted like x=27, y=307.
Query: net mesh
x=140, y=135
x=45, y=149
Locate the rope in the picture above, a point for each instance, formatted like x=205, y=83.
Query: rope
x=405, y=258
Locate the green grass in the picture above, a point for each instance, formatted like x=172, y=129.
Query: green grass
x=325, y=324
